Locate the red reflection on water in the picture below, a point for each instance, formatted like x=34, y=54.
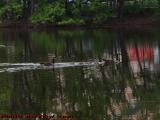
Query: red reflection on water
x=144, y=53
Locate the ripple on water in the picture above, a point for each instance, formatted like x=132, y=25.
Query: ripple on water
x=14, y=67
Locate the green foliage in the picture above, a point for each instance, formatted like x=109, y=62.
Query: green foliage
x=103, y=17
x=97, y=12
x=49, y=13
x=55, y=13
x=2, y=4
x=76, y=12
x=150, y=3
x=11, y=11
x=140, y=8
x=71, y=21
x=134, y=9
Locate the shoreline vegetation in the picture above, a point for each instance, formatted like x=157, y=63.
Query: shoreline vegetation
x=126, y=23
x=79, y=13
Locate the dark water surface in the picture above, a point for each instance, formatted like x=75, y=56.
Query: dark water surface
x=123, y=91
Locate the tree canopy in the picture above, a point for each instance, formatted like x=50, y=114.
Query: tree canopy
x=74, y=11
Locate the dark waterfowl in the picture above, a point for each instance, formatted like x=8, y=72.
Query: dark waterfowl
x=108, y=62
x=48, y=63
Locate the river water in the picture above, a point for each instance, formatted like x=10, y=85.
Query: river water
x=78, y=85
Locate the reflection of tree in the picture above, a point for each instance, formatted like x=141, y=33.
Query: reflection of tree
x=22, y=99
x=85, y=92
x=108, y=90
x=60, y=97
x=125, y=58
x=125, y=62
x=144, y=72
x=10, y=37
x=138, y=59
x=27, y=45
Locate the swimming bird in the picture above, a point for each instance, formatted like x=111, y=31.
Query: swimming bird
x=107, y=62
x=48, y=63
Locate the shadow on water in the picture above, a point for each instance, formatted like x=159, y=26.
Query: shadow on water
x=127, y=90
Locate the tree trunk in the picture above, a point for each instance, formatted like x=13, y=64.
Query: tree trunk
x=66, y=7
x=120, y=8
x=28, y=8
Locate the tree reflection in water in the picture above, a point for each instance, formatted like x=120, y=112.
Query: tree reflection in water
x=127, y=90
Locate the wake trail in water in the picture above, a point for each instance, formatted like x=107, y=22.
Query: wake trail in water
x=14, y=67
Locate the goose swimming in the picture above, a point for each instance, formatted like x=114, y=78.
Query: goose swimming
x=109, y=61
x=48, y=63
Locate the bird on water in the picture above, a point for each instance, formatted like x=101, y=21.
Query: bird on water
x=108, y=61
x=48, y=63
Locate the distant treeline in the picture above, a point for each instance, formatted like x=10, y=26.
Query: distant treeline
x=74, y=11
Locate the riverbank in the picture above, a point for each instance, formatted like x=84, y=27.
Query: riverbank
x=126, y=22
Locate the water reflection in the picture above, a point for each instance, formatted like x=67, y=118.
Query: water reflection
x=127, y=90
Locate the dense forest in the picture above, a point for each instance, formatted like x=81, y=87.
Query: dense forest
x=75, y=11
